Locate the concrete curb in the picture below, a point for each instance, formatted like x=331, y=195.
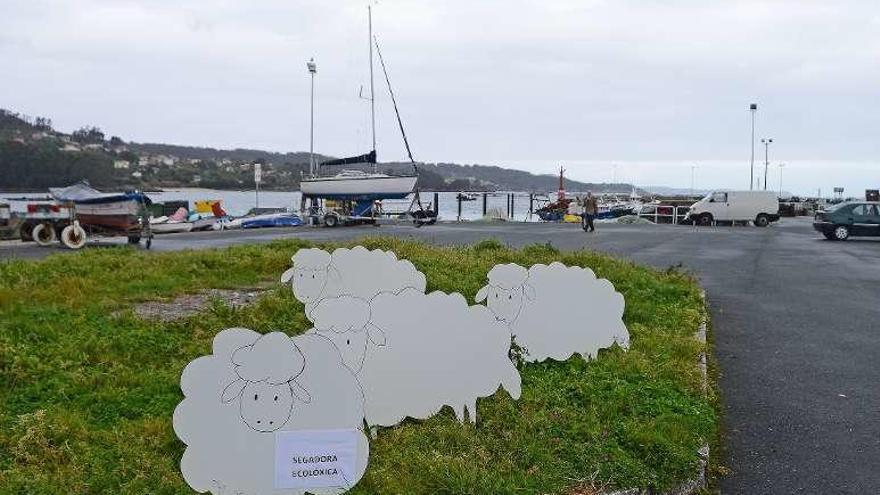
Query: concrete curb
x=699, y=482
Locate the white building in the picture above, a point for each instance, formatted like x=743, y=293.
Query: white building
x=121, y=164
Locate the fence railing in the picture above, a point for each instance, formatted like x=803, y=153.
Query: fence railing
x=665, y=214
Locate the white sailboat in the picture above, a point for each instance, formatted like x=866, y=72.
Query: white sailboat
x=356, y=184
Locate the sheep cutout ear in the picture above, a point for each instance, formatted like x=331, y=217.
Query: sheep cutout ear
x=233, y=445
x=482, y=294
x=376, y=335
x=233, y=391
x=299, y=392
x=287, y=275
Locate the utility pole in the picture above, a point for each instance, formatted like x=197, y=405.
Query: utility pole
x=766, y=142
x=313, y=68
x=754, y=109
x=781, y=166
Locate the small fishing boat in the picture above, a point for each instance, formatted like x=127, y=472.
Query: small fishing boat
x=98, y=210
x=463, y=196
x=204, y=223
x=171, y=227
x=556, y=211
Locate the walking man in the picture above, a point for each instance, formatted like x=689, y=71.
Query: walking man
x=591, y=208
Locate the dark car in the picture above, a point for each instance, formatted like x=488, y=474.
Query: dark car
x=841, y=221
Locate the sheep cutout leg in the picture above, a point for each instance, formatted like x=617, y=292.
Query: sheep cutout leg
x=232, y=396
x=317, y=275
x=554, y=311
x=428, y=362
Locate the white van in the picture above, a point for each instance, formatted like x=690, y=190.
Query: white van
x=760, y=207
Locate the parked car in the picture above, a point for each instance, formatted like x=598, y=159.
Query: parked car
x=855, y=218
x=760, y=207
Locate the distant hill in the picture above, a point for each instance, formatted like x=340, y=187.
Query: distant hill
x=235, y=155
x=34, y=156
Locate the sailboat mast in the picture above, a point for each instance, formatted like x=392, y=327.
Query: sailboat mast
x=372, y=91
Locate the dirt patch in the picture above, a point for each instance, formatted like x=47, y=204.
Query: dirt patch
x=190, y=304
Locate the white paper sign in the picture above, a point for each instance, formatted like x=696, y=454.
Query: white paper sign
x=316, y=459
x=258, y=172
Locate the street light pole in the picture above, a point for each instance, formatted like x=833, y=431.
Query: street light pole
x=766, y=159
x=754, y=109
x=781, y=166
x=313, y=68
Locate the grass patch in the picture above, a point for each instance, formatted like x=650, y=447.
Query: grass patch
x=87, y=388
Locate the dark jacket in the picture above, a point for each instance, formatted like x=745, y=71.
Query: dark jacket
x=591, y=206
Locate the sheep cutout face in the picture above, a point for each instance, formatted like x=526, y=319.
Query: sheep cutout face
x=257, y=394
x=554, y=311
x=345, y=320
x=266, y=387
x=310, y=273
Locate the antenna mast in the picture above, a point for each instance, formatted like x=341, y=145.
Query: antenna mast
x=372, y=92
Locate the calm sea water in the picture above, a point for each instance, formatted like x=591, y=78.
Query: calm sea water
x=239, y=202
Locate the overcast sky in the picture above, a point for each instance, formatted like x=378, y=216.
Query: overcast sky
x=652, y=86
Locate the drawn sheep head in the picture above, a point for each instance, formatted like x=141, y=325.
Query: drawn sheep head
x=506, y=291
x=311, y=270
x=266, y=387
x=345, y=320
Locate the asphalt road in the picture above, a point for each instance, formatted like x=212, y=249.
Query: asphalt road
x=796, y=329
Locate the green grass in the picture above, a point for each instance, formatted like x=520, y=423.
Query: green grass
x=87, y=388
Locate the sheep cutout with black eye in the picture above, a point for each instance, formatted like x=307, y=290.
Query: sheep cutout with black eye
x=555, y=310
x=345, y=320
x=231, y=445
x=266, y=388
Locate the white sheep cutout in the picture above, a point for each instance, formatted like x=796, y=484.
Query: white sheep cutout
x=359, y=272
x=554, y=311
x=345, y=320
x=416, y=352
x=252, y=388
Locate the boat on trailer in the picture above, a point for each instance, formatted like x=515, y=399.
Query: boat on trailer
x=355, y=191
x=96, y=210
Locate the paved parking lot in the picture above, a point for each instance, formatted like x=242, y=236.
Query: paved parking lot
x=796, y=330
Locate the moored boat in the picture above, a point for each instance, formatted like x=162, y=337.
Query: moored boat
x=272, y=220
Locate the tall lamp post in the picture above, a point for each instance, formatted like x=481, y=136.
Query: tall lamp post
x=766, y=142
x=754, y=109
x=781, y=166
x=313, y=68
